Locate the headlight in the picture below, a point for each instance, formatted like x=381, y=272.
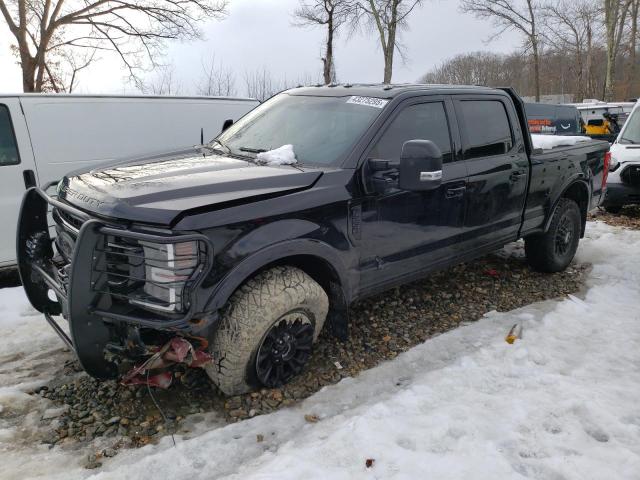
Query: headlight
x=613, y=163
x=167, y=270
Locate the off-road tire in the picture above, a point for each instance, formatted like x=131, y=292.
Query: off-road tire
x=613, y=209
x=253, y=309
x=541, y=249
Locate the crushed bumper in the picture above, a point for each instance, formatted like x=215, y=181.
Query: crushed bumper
x=106, y=336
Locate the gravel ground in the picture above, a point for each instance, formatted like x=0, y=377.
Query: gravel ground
x=629, y=217
x=381, y=328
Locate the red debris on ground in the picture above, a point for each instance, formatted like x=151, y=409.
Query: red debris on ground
x=176, y=351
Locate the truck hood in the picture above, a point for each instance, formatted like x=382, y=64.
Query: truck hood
x=158, y=190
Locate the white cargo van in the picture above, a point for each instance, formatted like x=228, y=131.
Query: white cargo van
x=42, y=137
x=623, y=183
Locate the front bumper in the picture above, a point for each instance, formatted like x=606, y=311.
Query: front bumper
x=103, y=330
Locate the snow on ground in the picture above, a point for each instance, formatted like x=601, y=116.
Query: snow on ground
x=562, y=403
x=550, y=141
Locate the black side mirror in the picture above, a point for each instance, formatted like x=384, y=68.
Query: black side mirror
x=227, y=123
x=420, y=166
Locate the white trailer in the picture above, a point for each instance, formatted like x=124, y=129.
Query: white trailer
x=42, y=137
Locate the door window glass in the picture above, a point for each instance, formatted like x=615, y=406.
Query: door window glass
x=424, y=121
x=487, y=128
x=8, y=147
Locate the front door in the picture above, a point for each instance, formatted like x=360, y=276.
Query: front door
x=13, y=165
x=405, y=232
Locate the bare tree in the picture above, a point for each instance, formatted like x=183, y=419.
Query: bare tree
x=633, y=42
x=332, y=14
x=518, y=15
x=260, y=84
x=477, y=68
x=387, y=18
x=133, y=30
x=568, y=29
x=217, y=80
x=615, y=14
x=163, y=82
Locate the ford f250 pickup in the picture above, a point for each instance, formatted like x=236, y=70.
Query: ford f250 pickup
x=231, y=257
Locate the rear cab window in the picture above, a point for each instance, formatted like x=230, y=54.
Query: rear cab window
x=8, y=146
x=487, y=128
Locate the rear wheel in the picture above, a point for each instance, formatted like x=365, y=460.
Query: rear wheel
x=614, y=209
x=266, y=334
x=553, y=250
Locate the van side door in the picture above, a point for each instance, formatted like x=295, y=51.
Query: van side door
x=498, y=165
x=408, y=232
x=17, y=173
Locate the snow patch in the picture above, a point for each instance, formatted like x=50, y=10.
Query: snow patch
x=283, y=155
x=547, y=142
x=560, y=403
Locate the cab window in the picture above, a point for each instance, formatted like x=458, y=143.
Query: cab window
x=487, y=127
x=8, y=146
x=424, y=121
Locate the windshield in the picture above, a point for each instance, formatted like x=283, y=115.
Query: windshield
x=322, y=130
x=631, y=132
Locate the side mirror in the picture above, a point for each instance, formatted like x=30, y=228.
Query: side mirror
x=227, y=123
x=420, y=166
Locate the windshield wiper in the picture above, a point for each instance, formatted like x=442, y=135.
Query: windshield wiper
x=252, y=150
x=626, y=141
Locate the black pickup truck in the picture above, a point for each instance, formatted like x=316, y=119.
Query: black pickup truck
x=231, y=258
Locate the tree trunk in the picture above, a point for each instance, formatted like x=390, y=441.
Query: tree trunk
x=328, y=60
x=536, y=69
x=589, y=64
x=633, y=34
x=391, y=43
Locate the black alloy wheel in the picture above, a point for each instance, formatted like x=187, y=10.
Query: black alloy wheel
x=285, y=349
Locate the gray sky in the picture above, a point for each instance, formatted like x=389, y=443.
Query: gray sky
x=259, y=33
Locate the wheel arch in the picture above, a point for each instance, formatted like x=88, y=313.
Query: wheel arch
x=317, y=259
x=578, y=191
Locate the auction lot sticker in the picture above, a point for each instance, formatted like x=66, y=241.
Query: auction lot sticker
x=368, y=101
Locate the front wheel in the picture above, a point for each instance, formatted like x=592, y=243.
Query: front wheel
x=553, y=250
x=266, y=334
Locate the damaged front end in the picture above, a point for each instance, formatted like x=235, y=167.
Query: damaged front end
x=128, y=294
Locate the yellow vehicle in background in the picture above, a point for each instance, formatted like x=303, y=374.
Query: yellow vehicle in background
x=603, y=120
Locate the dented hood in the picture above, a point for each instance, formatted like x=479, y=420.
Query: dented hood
x=158, y=190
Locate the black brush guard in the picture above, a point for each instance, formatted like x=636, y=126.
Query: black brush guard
x=82, y=296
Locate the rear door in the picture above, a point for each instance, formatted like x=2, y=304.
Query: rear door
x=17, y=172
x=498, y=168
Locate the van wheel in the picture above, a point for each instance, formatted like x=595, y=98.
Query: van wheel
x=553, y=250
x=614, y=209
x=265, y=336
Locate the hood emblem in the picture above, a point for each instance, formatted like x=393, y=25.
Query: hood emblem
x=81, y=197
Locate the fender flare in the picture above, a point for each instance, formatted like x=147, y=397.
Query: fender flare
x=576, y=180
x=274, y=253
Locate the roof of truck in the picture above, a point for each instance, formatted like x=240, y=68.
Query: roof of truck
x=385, y=90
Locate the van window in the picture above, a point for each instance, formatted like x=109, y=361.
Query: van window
x=8, y=147
x=487, y=127
x=425, y=121
x=631, y=133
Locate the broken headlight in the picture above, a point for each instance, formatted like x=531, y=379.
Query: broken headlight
x=168, y=270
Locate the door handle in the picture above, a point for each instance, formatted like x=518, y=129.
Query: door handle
x=515, y=176
x=29, y=178
x=455, y=192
